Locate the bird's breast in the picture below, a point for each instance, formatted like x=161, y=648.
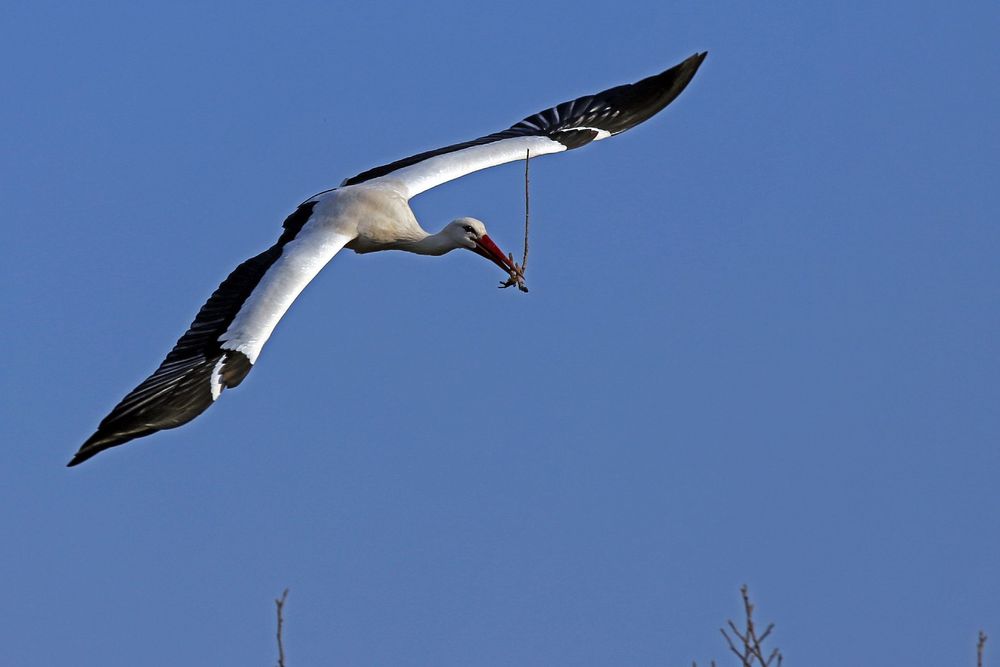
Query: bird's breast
x=378, y=218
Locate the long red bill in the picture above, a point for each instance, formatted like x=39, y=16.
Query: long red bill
x=488, y=249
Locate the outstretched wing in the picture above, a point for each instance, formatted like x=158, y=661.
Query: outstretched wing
x=223, y=342
x=566, y=126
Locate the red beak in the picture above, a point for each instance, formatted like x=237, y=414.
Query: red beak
x=488, y=249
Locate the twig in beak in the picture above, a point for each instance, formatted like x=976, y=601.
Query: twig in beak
x=517, y=274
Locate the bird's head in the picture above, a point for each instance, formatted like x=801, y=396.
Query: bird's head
x=470, y=234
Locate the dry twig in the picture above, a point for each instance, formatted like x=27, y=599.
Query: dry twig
x=980, y=648
x=517, y=274
x=527, y=211
x=279, y=604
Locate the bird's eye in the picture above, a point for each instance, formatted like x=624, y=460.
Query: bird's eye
x=468, y=228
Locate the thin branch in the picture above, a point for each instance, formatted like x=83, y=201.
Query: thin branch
x=732, y=646
x=527, y=210
x=517, y=273
x=752, y=653
x=980, y=648
x=743, y=638
x=279, y=604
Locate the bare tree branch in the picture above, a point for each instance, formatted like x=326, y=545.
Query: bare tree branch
x=752, y=653
x=980, y=648
x=279, y=604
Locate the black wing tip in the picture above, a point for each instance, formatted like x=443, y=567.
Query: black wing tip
x=640, y=101
x=686, y=70
x=676, y=78
x=690, y=66
x=617, y=109
x=80, y=457
x=85, y=452
x=100, y=441
x=89, y=449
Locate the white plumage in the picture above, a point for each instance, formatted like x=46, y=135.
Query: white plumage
x=369, y=212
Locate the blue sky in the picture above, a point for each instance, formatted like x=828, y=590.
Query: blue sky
x=761, y=342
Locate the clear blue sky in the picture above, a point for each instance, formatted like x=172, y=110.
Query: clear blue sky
x=762, y=343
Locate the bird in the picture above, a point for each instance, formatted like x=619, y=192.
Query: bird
x=366, y=213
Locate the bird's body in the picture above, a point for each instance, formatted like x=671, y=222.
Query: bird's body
x=365, y=218
x=369, y=212
x=382, y=218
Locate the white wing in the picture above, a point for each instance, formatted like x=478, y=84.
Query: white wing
x=222, y=344
x=563, y=127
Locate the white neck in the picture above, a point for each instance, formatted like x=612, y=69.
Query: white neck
x=432, y=244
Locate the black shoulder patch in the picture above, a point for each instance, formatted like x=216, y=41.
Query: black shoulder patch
x=293, y=223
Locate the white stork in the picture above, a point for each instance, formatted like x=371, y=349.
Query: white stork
x=368, y=212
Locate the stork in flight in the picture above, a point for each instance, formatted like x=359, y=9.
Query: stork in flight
x=368, y=212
